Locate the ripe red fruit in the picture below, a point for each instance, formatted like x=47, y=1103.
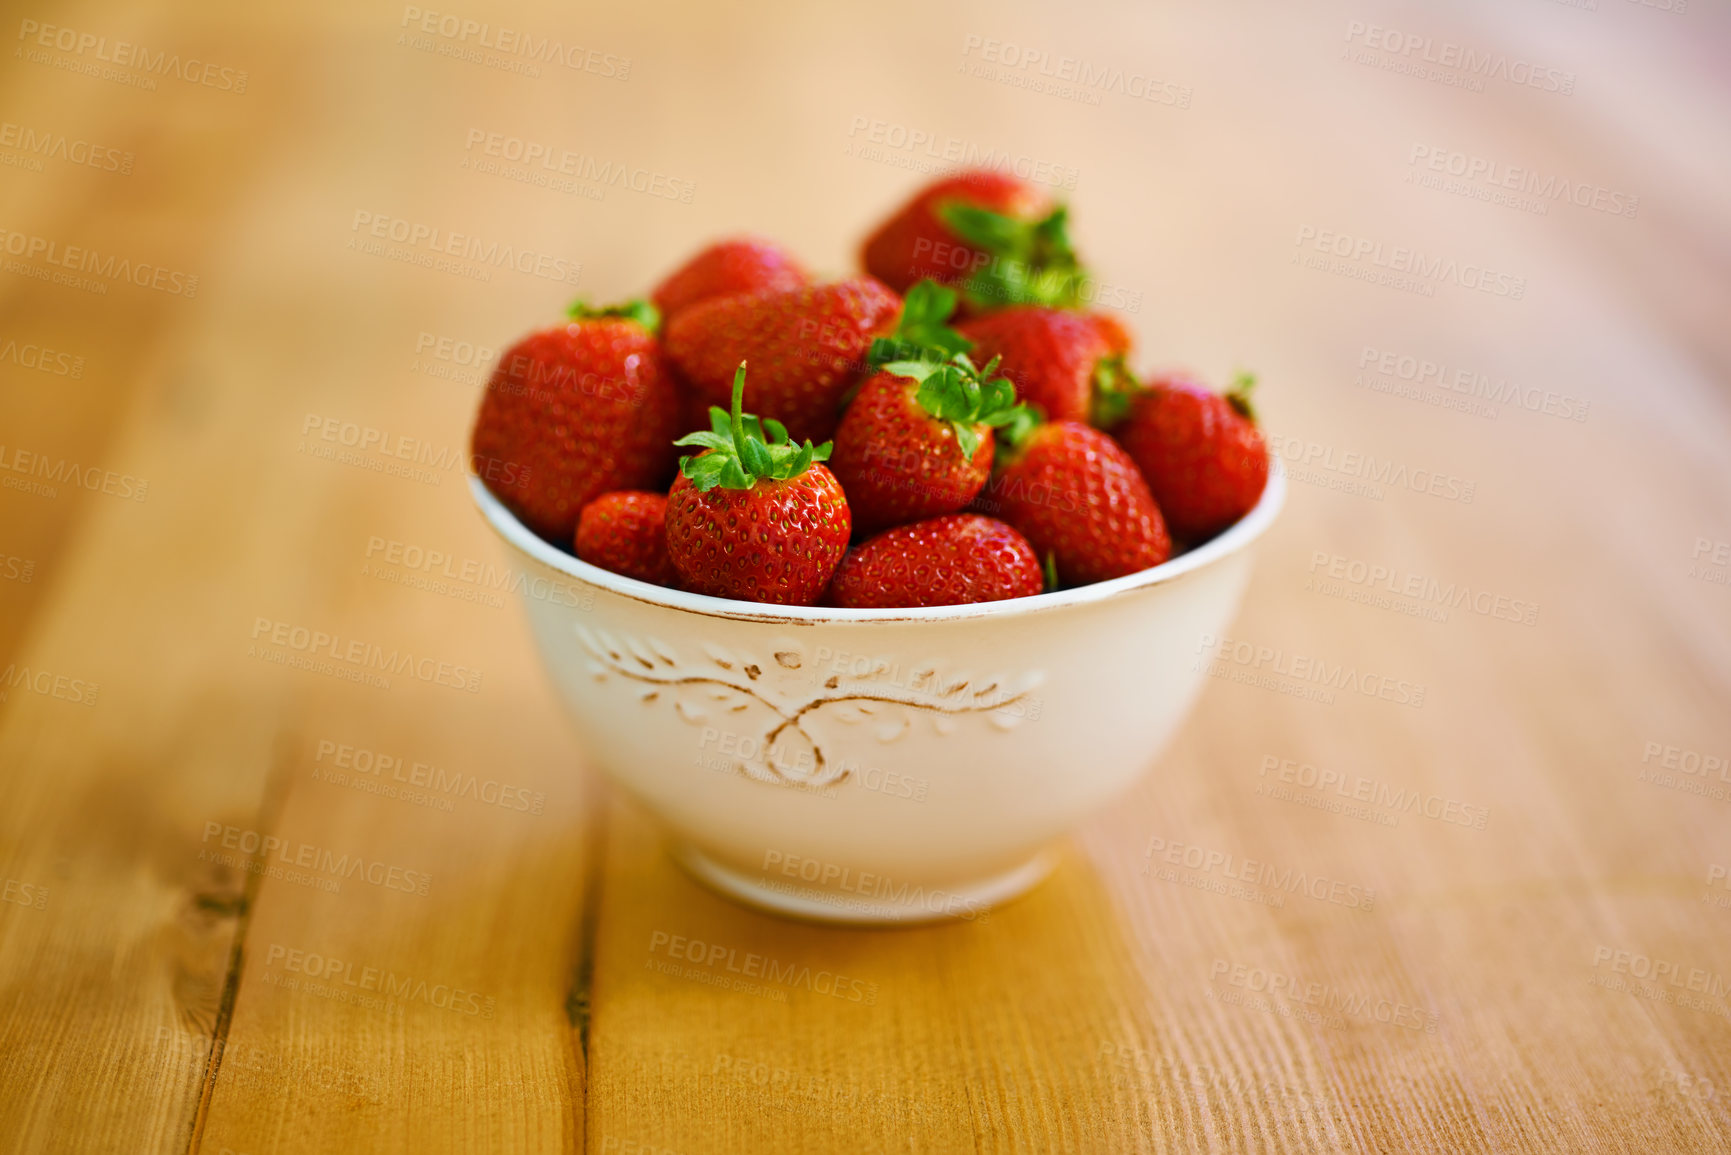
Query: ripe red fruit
x=574, y=411
x=1079, y=499
x=1112, y=329
x=917, y=243
x=626, y=532
x=898, y=462
x=806, y=347
x=740, y=265
x=943, y=561
x=755, y=518
x=1056, y=357
x=917, y=440
x=1205, y=461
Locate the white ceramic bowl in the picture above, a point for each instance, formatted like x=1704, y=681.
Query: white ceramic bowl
x=877, y=766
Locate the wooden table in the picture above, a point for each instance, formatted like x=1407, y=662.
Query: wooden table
x=1501, y=396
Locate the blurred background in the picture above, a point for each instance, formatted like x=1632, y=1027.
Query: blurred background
x=1479, y=255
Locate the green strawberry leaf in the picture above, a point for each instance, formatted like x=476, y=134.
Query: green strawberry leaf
x=983, y=228
x=754, y=455
x=706, y=472
x=918, y=370
x=999, y=400
x=923, y=333
x=1033, y=262
x=739, y=454
x=1018, y=426
x=1049, y=567
x=967, y=438
x=1114, y=389
x=733, y=475
x=707, y=440
x=925, y=311
x=1238, y=395
x=636, y=309
x=957, y=393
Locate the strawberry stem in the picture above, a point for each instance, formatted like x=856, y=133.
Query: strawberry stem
x=1238, y=395
x=738, y=421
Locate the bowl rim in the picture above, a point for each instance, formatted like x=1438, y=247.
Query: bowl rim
x=1239, y=535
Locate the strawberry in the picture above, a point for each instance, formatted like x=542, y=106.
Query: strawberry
x=916, y=441
x=944, y=561
x=1080, y=501
x=626, y=532
x=740, y=265
x=1112, y=330
x=755, y=519
x=913, y=446
x=574, y=411
x=1057, y=358
x=806, y=346
x=917, y=243
x=1204, y=458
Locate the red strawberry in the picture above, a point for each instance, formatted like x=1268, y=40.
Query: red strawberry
x=755, y=519
x=741, y=265
x=806, y=347
x=917, y=243
x=626, y=532
x=1056, y=357
x=1113, y=330
x=899, y=461
x=574, y=411
x=944, y=561
x=693, y=410
x=1079, y=499
x=1204, y=458
x=917, y=440
x=992, y=236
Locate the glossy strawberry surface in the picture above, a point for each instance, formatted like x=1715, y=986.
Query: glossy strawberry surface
x=943, y=561
x=806, y=347
x=1050, y=354
x=777, y=542
x=1076, y=495
x=1205, y=462
x=739, y=265
x=626, y=532
x=898, y=463
x=915, y=243
x=572, y=412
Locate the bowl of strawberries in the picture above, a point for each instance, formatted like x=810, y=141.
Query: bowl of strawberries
x=875, y=586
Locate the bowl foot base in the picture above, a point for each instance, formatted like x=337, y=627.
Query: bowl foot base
x=967, y=901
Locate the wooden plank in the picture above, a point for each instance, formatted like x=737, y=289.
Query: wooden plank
x=118, y=981
x=377, y=1015
x=125, y=722
x=155, y=174
x=870, y=1041
x=418, y=1002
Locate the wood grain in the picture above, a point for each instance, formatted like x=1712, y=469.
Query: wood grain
x=1489, y=870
